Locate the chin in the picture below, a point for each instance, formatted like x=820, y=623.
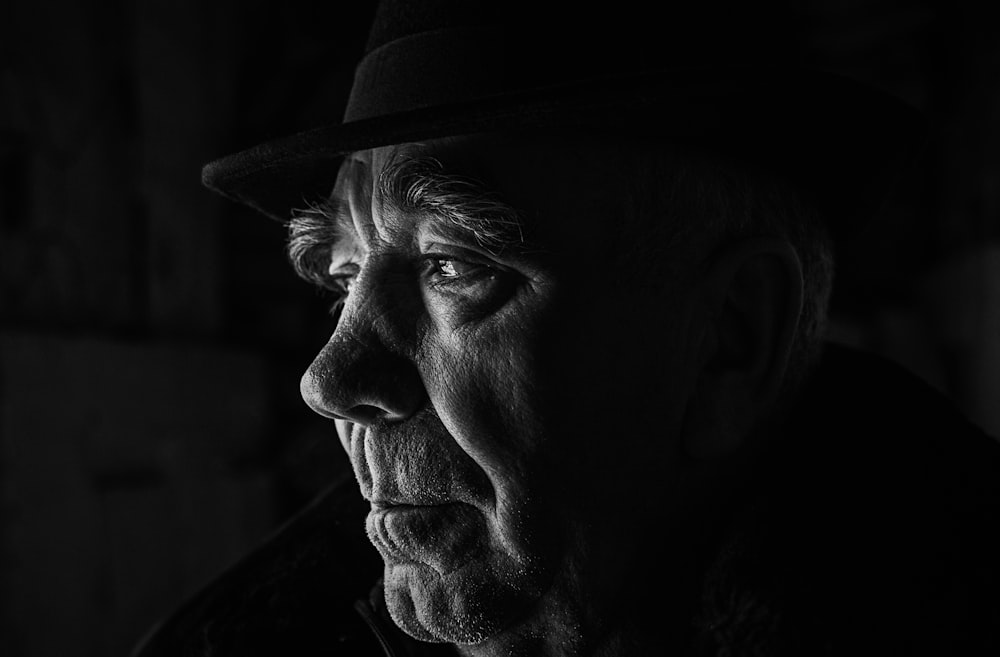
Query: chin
x=467, y=606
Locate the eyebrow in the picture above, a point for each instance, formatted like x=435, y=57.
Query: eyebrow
x=410, y=185
x=422, y=185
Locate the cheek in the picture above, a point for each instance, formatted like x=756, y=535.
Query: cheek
x=483, y=388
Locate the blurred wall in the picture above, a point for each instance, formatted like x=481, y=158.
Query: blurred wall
x=922, y=284
x=151, y=335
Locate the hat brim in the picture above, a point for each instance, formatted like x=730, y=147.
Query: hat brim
x=841, y=142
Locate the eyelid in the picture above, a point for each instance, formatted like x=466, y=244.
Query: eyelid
x=338, y=268
x=529, y=264
x=343, y=270
x=339, y=277
x=450, y=251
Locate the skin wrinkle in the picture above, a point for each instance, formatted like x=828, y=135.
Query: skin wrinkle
x=427, y=470
x=557, y=414
x=420, y=184
x=510, y=512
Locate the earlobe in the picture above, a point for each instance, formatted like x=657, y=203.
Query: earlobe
x=753, y=295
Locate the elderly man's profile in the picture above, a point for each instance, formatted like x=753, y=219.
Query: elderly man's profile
x=581, y=266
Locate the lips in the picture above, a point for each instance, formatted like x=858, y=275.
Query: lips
x=413, y=500
x=440, y=535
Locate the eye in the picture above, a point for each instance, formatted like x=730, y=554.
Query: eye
x=448, y=268
x=476, y=285
x=446, y=271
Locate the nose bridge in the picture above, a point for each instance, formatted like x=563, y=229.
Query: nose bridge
x=380, y=310
x=367, y=368
x=383, y=309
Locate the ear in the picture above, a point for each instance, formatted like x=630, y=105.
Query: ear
x=752, y=293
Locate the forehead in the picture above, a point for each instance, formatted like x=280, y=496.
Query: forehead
x=563, y=188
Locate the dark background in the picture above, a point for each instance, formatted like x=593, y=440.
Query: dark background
x=152, y=336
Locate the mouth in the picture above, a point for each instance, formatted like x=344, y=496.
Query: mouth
x=392, y=505
x=410, y=512
x=436, y=534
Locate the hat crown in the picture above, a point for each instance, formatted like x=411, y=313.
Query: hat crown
x=397, y=19
x=722, y=75
x=437, y=52
x=711, y=32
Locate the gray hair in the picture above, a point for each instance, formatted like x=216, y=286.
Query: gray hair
x=421, y=184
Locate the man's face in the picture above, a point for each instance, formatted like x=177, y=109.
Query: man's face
x=509, y=390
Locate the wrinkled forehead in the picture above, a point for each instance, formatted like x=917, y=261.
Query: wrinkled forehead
x=562, y=187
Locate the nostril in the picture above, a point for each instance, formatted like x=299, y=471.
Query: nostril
x=363, y=414
x=361, y=383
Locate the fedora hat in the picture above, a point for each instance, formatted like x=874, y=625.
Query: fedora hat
x=732, y=77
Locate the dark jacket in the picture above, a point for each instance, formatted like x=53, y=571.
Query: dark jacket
x=308, y=591
x=871, y=525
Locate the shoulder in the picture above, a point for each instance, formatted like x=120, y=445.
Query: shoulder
x=886, y=421
x=295, y=594
x=875, y=522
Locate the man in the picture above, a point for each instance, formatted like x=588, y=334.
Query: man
x=578, y=368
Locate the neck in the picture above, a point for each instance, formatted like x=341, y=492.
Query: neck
x=644, y=601
x=620, y=640
x=639, y=614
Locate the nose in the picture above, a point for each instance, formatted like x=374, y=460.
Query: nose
x=356, y=377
